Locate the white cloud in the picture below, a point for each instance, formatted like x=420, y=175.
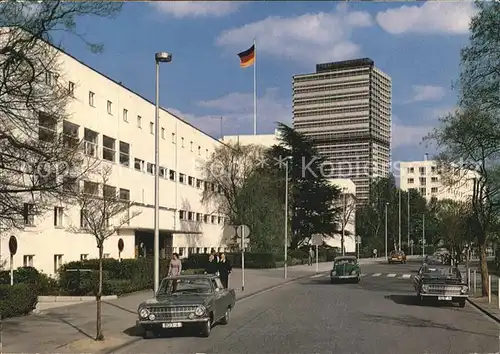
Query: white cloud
x=236, y=110
x=408, y=135
x=436, y=113
x=309, y=38
x=428, y=93
x=430, y=18
x=209, y=8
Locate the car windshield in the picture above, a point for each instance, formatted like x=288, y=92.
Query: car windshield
x=440, y=271
x=185, y=285
x=345, y=261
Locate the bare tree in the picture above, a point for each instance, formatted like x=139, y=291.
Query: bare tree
x=103, y=212
x=38, y=146
x=347, y=217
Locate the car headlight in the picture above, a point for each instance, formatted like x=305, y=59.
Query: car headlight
x=332, y=273
x=465, y=289
x=200, y=311
x=144, y=312
x=425, y=288
x=353, y=272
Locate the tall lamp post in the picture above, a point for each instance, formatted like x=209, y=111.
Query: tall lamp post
x=399, y=239
x=423, y=235
x=160, y=57
x=344, y=221
x=386, y=255
x=408, y=221
x=286, y=214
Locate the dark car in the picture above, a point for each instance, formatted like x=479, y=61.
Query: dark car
x=397, y=257
x=440, y=282
x=345, y=268
x=185, y=301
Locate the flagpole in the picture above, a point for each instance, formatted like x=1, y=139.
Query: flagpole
x=255, y=90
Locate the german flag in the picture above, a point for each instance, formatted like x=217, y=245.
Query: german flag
x=247, y=58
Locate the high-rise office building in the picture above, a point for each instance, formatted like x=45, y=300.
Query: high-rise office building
x=345, y=109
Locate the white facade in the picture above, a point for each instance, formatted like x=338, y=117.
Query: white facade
x=266, y=140
x=117, y=127
x=428, y=178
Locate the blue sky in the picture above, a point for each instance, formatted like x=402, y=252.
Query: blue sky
x=418, y=45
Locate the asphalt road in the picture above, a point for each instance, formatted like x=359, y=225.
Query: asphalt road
x=379, y=315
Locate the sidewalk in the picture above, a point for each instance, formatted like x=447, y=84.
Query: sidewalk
x=70, y=329
x=492, y=309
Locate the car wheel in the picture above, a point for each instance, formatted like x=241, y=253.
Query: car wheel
x=206, y=329
x=225, y=319
x=358, y=280
x=461, y=303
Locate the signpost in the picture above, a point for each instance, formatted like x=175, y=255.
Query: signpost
x=13, y=251
x=411, y=247
x=121, y=245
x=243, y=231
x=317, y=241
x=358, y=244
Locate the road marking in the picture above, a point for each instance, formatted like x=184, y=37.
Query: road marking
x=318, y=275
x=406, y=276
x=391, y=275
x=362, y=275
x=376, y=274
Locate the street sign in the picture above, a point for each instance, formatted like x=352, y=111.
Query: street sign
x=246, y=241
x=121, y=245
x=228, y=232
x=243, y=231
x=13, y=245
x=358, y=239
x=317, y=240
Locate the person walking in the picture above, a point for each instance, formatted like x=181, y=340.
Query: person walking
x=224, y=270
x=175, y=269
x=374, y=253
x=212, y=266
x=215, y=255
x=311, y=257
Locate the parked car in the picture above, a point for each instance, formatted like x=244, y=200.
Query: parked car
x=440, y=282
x=345, y=268
x=186, y=301
x=397, y=257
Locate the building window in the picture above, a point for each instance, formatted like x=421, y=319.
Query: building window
x=28, y=260
x=151, y=127
x=410, y=180
x=173, y=138
x=28, y=214
x=434, y=190
x=191, y=146
x=214, y=219
x=433, y=169
x=182, y=178
x=161, y=172
x=109, y=192
x=106, y=255
x=71, y=89
x=125, y=115
x=109, y=107
x=70, y=184
x=58, y=262
x=90, y=142
x=108, y=148
x=139, y=122
x=51, y=78
x=434, y=179
x=84, y=257
x=422, y=170
x=206, y=218
x=83, y=220
x=423, y=181
x=171, y=175
x=219, y=220
x=47, y=127
x=423, y=191
x=190, y=216
x=411, y=170
x=182, y=215
x=90, y=188
x=70, y=135
x=198, y=183
x=163, y=133
x=139, y=165
x=91, y=99
x=199, y=150
x=199, y=217
x=206, y=150
x=124, y=194
x=182, y=142
x=191, y=181
x=151, y=168
x=124, y=153
x=58, y=216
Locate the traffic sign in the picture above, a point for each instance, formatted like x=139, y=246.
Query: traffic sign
x=13, y=245
x=121, y=245
x=243, y=231
x=358, y=239
x=317, y=240
x=228, y=232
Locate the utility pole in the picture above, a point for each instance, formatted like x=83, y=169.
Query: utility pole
x=408, y=217
x=399, y=240
x=423, y=235
x=386, y=254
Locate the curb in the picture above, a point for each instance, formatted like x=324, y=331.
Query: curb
x=484, y=311
x=269, y=288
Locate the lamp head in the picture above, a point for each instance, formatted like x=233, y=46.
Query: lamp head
x=163, y=57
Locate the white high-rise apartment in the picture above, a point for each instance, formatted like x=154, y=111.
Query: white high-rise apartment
x=345, y=109
x=428, y=178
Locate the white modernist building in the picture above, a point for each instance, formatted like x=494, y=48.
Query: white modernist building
x=431, y=181
x=116, y=126
x=347, y=186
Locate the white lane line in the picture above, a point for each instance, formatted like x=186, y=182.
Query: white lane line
x=391, y=275
x=376, y=274
x=317, y=275
x=406, y=276
x=362, y=275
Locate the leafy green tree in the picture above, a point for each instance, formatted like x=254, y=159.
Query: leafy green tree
x=313, y=201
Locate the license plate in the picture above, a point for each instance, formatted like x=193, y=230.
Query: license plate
x=172, y=325
x=444, y=298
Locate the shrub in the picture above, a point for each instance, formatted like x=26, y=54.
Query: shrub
x=41, y=283
x=18, y=299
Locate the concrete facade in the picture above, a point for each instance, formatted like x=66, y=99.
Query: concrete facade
x=345, y=109
x=116, y=126
x=432, y=182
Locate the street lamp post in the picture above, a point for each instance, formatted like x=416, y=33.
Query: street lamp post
x=386, y=255
x=423, y=235
x=160, y=57
x=408, y=221
x=286, y=215
x=344, y=221
x=399, y=239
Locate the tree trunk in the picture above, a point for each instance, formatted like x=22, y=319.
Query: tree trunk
x=484, y=268
x=99, y=334
x=342, y=248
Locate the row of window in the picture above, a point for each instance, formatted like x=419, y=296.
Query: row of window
x=422, y=180
x=200, y=217
x=29, y=260
x=422, y=170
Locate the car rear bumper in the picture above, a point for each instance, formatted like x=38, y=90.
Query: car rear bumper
x=465, y=296
x=340, y=277
x=148, y=323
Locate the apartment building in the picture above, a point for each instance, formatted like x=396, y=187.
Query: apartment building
x=345, y=109
x=116, y=126
x=432, y=182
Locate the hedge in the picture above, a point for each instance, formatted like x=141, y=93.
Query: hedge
x=18, y=299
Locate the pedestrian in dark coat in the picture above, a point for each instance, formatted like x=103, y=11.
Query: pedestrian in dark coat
x=212, y=267
x=224, y=270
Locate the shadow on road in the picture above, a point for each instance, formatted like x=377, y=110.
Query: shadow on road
x=413, y=300
x=412, y=321
x=167, y=333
